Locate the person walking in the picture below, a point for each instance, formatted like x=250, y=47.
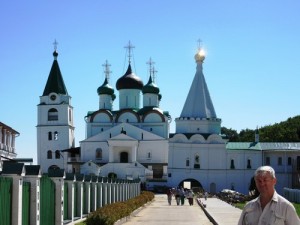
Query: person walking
x=190, y=197
x=182, y=195
x=177, y=196
x=269, y=207
x=169, y=195
x=205, y=195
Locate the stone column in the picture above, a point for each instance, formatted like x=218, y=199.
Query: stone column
x=34, y=198
x=59, y=200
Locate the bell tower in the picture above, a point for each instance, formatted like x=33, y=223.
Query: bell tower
x=55, y=128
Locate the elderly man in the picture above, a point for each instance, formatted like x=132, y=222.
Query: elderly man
x=269, y=208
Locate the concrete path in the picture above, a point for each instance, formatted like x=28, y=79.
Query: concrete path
x=160, y=213
x=221, y=212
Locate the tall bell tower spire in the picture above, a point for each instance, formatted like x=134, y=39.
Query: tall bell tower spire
x=55, y=128
x=198, y=114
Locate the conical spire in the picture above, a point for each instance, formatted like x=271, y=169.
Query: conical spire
x=198, y=103
x=55, y=82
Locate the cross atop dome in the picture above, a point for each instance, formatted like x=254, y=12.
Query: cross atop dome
x=129, y=47
x=107, y=71
x=151, y=67
x=55, y=43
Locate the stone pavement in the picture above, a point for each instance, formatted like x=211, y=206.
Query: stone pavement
x=160, y=213
x=221, y=212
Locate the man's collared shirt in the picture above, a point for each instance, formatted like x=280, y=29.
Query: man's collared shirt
x=278, y=211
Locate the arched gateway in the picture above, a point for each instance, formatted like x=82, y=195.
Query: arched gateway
x=192, y=183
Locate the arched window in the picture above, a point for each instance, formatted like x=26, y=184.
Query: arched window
x=52, y=114
x=49, y=154
x=149, y=155
x=249, y=164
x=55, y=135
x=57, y=154
x=98, y=153
x=197, y=162
x=49, y=136
x=232, y=164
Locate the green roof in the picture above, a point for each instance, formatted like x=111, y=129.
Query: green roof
x=55, y=82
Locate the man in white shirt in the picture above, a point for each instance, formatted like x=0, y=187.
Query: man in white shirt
x=269, y=208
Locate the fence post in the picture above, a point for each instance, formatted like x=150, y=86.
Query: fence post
x=94, y=193
x=70, y=180
x=58, y=176
x=79, y=207
x=16, y=171
x=33, y=175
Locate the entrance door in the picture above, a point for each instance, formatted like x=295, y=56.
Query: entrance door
x=123, y=157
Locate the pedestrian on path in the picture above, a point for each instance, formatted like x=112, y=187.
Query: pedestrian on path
x=170, y=195
x=269, y=207
x=190, y=197
x=182, y=195
x=177, y=196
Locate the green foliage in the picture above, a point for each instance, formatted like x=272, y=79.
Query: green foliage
x=286, y=131
x=110, y=214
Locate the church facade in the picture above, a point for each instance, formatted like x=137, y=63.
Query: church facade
x=135, y=141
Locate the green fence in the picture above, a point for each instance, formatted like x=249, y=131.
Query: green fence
x=66, y=194
x=5, y=200
x=47, y=208
x=26, y=204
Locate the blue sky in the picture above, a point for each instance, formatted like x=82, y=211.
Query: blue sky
x=251, y=68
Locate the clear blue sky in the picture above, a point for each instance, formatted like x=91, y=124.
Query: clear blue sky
x=252, y=67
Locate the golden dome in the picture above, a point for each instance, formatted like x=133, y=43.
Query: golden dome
x=200, y=55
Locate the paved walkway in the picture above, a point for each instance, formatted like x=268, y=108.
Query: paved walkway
x=160, y=213
x=222, y=212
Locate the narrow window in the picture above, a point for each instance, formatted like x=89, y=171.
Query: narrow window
x=49, y=136
x=298, y=162
x=98, y=153
x=248, y=164
x=232, y=164
x=268, y=160
x=49, y=154
x=289, y=162
x=279, y=162
x=55, y=135
x=149, y=155
x=70, y=115
x=197, y=162
x=57, y=154
x=187, y=162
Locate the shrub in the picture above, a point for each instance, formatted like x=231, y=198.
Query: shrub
x=111, y=213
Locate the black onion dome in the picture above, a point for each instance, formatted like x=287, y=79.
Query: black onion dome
x=150, y=87
x=129, y=81
x=105, y=88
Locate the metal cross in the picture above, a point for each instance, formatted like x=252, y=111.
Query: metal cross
x=199, y=43
x=55, y=43
x=150, y=63
x=106, y=70
x=129, y=47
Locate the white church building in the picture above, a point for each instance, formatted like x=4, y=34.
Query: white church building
x=135, y=140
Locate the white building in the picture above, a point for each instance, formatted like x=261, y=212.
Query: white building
x=55, y=129
x=7, y=142
x=134, y=141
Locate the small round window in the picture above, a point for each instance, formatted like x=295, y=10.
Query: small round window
x=53, y=97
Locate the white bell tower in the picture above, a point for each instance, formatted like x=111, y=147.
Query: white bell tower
x=55, y=128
